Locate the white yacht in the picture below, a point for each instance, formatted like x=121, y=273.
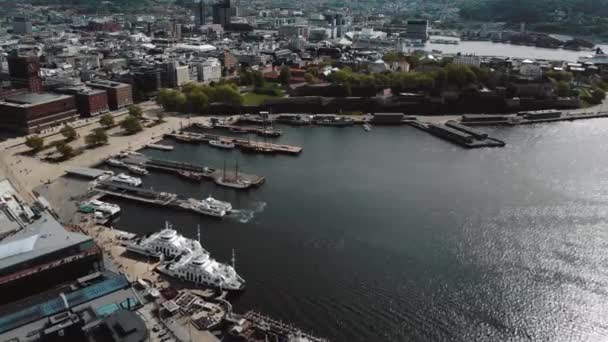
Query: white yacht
x=166, y=244
x=103, y=207
x=200, y=268
x=221, y=144
x=138, y=170
x=187, y=260
x=115, y=162
x=205, y=208
x=226, y=206
x=126, y=179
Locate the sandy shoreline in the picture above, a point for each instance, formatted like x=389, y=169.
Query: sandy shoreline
x=28, y=172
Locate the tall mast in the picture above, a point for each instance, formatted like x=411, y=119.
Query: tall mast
x=198, y=232
x=236, y=176
x=233, y=260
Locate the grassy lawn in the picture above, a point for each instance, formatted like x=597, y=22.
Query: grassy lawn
x=251, y=99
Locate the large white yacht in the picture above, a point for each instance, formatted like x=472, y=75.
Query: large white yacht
x=126, y=179
x=200, y=268
x=187, y=260
x=166, y=244
x=206, y=208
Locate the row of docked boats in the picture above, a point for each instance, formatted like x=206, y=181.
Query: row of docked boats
x=138, y=170
x=186, y=259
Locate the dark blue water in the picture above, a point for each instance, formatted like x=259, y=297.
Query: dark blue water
x=395, y=235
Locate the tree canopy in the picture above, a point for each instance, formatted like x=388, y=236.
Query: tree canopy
x=136, y=111
x=69, y=132
x=131, y=125
x=97, y=137
x=106, y=120
x=34, y=142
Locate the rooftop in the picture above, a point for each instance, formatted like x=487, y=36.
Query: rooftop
x=31, y=99
x=43, y=236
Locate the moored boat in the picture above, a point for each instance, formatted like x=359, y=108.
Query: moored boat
x=194, y=176
x=126, y=179
x=221, y=144
x=138, y=170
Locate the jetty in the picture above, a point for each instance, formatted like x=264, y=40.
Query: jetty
x=527, y=118
x=244, y=144
x=147, y=196
x=179, y=168
x=458, y=134
x=272, y=327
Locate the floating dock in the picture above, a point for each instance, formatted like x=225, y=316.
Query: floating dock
x=240, y=143
x=177, y=167
x=148, y=196
x=86, y=172
x=458, y=134
x=530, y=118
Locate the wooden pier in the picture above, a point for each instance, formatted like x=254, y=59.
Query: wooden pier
x=458, y=134
x=246, y=144
x=277, y=328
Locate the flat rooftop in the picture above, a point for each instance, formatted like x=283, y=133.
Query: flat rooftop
x=32, y=99
x=105, y=84
x=43, y=236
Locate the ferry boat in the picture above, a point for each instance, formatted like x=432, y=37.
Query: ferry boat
x=138, y=170
x=221, y=144
x=166, y=244
x=200, y=268
x=99, y=206
x=187, y=260
x=206, y=208
x=115, y=162
x=126, y=179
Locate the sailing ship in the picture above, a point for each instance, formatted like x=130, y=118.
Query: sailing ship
x=232, y=182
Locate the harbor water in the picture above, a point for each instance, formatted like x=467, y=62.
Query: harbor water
x=396, y=235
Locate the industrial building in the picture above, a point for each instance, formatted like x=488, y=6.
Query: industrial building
x=33, y=112
x=120, y=95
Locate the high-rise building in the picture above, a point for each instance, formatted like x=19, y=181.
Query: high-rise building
x=200, y=13
x=223, y=12
x=417, y=29
x=22, y=25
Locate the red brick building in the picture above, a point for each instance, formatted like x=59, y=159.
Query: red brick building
x=24, y=72
x=33, y=112
x=89, y=102
x=120, y=95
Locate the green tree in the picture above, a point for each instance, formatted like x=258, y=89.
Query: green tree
x=131, y=125
x=460, y=76
x=171, y=99
x=562, y=88
x=390, y=57
x=309, y=78
x=68, y=132
x=106, y=120
x=64, y=149
x=285, y=75
x=597, y=96
x=227, y=95
x=34, y=142
x=97, y=137
x=136, y=111
x=197, y=101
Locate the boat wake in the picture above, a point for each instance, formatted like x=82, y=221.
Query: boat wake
x=246, y=215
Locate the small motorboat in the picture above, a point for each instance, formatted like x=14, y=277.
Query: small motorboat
x=221, y=144
x=367, y=127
